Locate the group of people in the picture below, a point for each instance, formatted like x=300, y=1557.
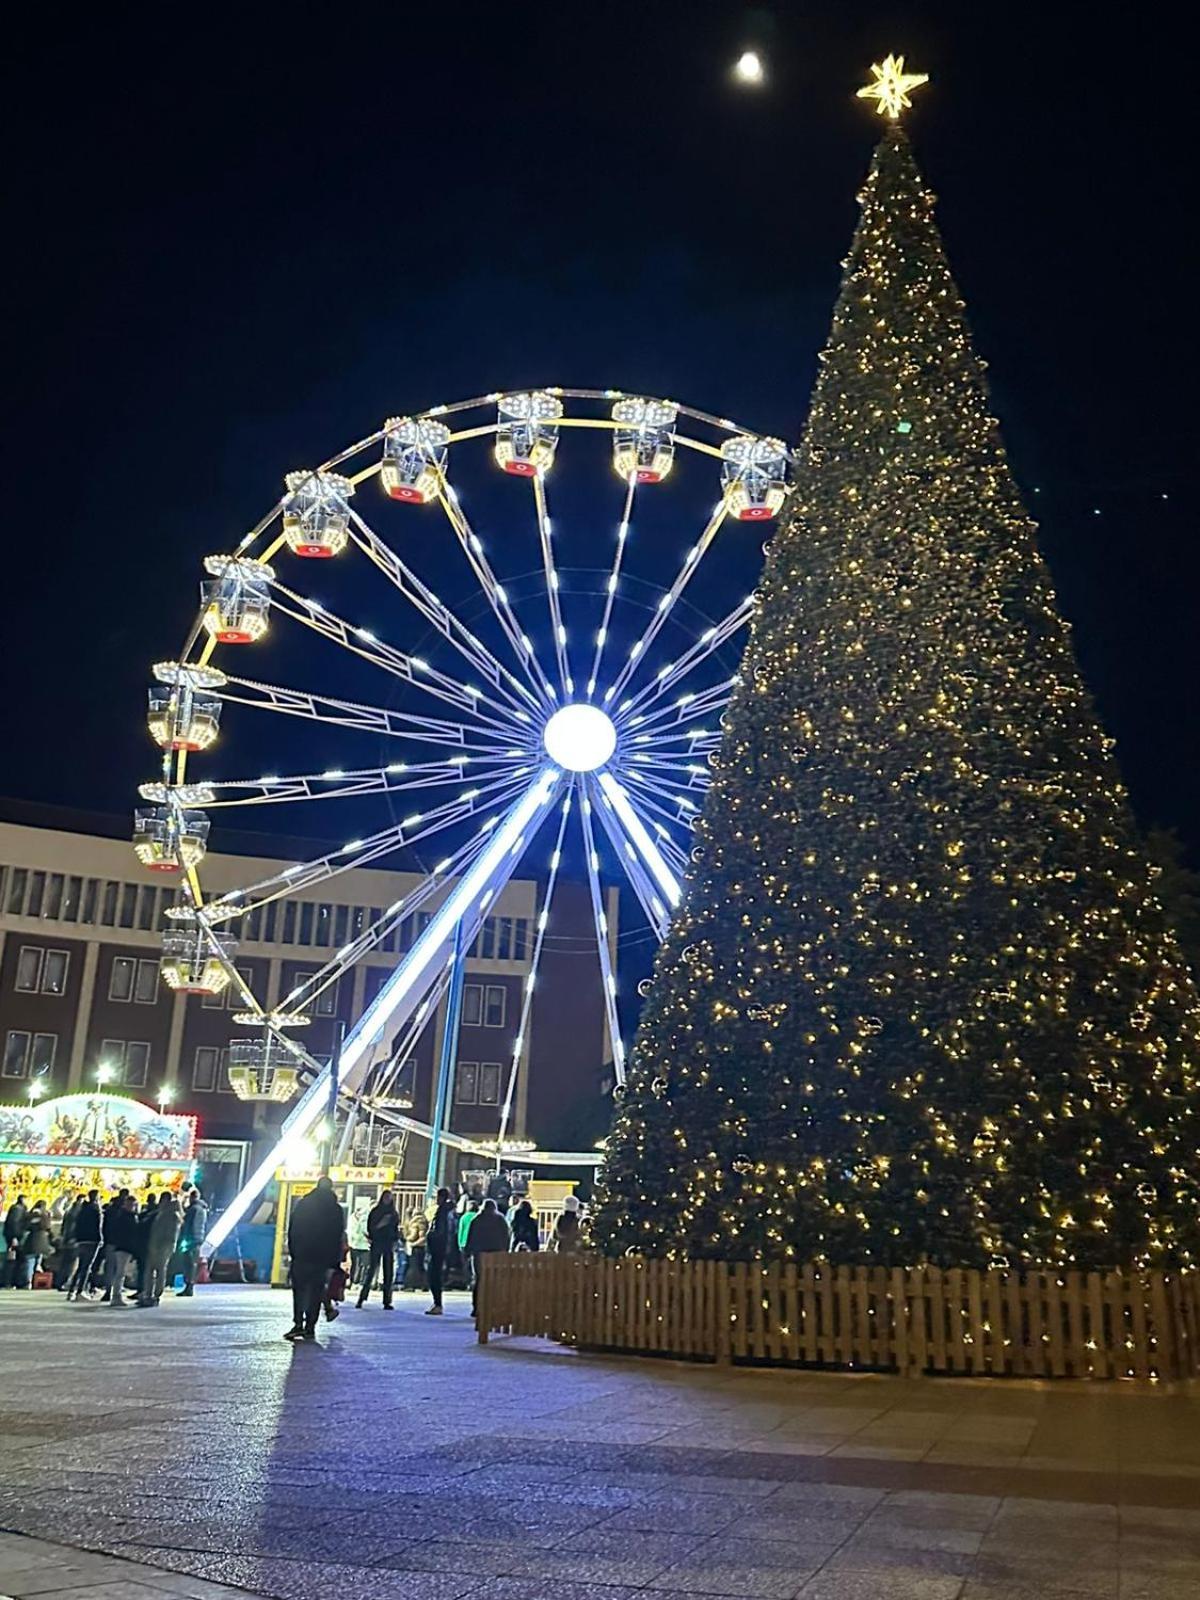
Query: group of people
x=419, y=1252
x=99, y=1248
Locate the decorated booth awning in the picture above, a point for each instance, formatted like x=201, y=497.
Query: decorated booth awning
x=83, y=1128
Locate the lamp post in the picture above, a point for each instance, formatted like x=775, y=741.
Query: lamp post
x=104, y=1073
x=166, y=1094
x=35, y=1091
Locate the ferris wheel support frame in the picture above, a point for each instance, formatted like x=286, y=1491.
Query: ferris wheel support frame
x=465, y=907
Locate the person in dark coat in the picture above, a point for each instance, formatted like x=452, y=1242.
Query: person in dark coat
x=383, y=1230
x=120, y=1246
x=438, y=1240
x=87, y=1245
x=489, y=1235
x=525, y=1234
x=34, y=1244
x=14, y=1232
x=107, y=1216
x=142, y=1249
x=316, y=1241
x=66, y=1244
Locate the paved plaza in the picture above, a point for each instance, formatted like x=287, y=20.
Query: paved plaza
x=191, y=1452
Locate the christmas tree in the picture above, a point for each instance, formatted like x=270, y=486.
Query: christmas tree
x=920, y=1002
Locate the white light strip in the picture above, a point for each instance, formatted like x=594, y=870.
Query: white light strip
x=493, y=868
x=636, y=830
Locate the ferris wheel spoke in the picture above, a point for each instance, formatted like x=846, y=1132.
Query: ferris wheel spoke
x=411, y=669
x=543, y=695
x=359, y=852
x=545, y=537
x=396, y=778
x=655, y=909
x=708, y=643
x=676, y=808
x=610, y=590
x=304, y=993
x=637, y=845
x=442, y=618
x=367, y=718
x=637, y=652
x=408, y=984
x=698, y=703
x=531, y=978
x=608, y=982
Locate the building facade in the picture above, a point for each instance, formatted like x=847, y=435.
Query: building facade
x=81, y=1000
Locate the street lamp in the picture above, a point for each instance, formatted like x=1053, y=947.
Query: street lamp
x=104, y=1073
x=165, y=1095
x=36, y=1090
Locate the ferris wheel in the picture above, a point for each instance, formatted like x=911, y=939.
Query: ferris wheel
x=606, y=727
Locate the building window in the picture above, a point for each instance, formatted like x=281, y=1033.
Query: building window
x=504, y=938
x=108, y=905
x=520, y=935
x=145, y=988
x=91, y=888
x=466, y=1083
x=495, y=1005
x=487, y=939
x=145, y=909
x=137, y=1065
x=37, y=891
x=16, y=891
x=16, y=1054
x=252, y=927
x=29, y=969
x=54, y=896
x=325, y=1004
x=341, y=915
x=472, y=1005
x=307, y=910
x=42, y=971
x=121, y=979
x=205, y=1067
x=288, y=935
x=489, y=1083
x=71, y=898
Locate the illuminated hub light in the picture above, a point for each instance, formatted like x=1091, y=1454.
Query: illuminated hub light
x=527, y=432
x=236, y=602
x=316, y=517
x=414, y=459
x=754, y=477
x=580, y=738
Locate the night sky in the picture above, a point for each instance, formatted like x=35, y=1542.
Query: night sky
x=241, y=238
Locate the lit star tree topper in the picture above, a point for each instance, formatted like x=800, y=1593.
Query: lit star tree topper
x=891, y=87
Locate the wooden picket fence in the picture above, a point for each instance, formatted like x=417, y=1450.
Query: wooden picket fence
x=1023, y=1324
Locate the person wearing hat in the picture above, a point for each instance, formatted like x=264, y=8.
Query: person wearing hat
x=566, y=1229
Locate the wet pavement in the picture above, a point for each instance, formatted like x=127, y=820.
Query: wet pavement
x=190, y=1446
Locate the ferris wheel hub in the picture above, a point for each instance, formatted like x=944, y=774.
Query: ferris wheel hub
x=580, y=738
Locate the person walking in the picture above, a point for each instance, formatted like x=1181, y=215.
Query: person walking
x=160, y=1247
x=87, y=1245
x=489, y=1235
x=191, y=1237
x=316, y=1241
x=35, y=1243
x=465, y=1222
x=438, y=1239
x=525, y=1234
x=566, y=1228
x=383, y=1229
x=14, y=1232
x=120, y=1247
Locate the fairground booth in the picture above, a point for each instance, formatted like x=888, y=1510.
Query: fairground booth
x=53, y=1149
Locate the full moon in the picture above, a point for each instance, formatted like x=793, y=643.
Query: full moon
x=579, y=738
x=749, y=67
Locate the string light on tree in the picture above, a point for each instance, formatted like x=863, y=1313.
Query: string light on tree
x=919, y=1001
